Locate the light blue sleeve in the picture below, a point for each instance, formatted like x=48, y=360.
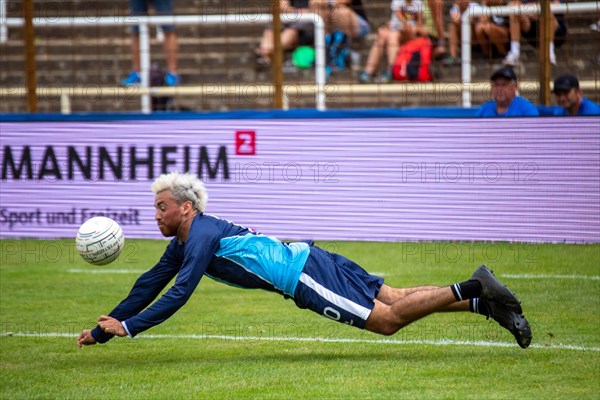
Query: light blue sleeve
x=268, y=258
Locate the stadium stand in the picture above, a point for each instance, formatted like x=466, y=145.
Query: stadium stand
x=214, y=56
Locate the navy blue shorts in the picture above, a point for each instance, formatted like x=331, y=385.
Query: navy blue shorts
x=162, y=7
x=337, y=288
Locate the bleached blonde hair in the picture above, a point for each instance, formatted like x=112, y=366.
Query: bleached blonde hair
x=183, y=187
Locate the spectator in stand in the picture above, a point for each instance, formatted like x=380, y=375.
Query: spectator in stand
x=527, y=25
x=454, y=29
x=492, y=31
x=347, y=16
x=506, y=103
x=162, y=7
x=293, y=34
x=570, y=100
x=405, y=24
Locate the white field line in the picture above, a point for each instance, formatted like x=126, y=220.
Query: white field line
x=443, y=342
x=106, y=271
x=550, y=276
x=382, y=274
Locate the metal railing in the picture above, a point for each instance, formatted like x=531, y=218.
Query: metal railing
x=320, y=90
x=333, y=92
x=144, y=22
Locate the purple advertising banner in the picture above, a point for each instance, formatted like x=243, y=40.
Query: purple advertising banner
x=534, y=180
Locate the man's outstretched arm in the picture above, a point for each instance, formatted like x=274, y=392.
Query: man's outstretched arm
x=145, y=289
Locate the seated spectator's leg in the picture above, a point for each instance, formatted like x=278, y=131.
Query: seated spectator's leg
x=482, y=29
x=266, y=45
x=517, y=24
x=324, y=10
x=499, y=37
x=454, y=33
x=436, y=7
x=532, y=36
x=135, y=52
x=165, y=7
x=524, y=20
x=553, y=29
x=345, y=19
x=393, y=46
x=134, y=77
x=170, y=47
x=136, y=8
x=289, y=38
x=377, y=49
x=319, y=7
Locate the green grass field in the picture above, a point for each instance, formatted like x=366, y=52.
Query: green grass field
x=232, y=343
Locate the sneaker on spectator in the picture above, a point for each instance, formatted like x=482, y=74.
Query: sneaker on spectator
x=440, y=49
x=386, y=77
x=511, y=59
x=365, y=77
x=450, y=61
x=132, y=80
x=172, y=79
x=595, y=26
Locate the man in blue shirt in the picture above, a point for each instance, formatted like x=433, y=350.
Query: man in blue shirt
x=326, y=283
x=570, y=98
x=506, y=103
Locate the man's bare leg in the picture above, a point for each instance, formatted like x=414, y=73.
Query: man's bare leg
x=493, y=300
x=389, y=295
x=389, y=319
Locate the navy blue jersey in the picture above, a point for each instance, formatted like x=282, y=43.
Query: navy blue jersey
x=219, y=249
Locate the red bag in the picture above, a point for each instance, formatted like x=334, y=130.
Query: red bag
x=413, y=61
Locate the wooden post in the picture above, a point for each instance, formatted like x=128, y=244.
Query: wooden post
x=277, y=60
x=29, y=45
x=544, y=52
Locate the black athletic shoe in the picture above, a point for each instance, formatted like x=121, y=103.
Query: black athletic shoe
x=492, y=291
x=515, y=323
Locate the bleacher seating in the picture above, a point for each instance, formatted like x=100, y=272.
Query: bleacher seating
x=223, y=54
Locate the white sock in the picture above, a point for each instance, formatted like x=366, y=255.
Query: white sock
x=515, y=47
x=552, y=49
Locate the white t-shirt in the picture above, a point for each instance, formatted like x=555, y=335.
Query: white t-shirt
x=409, y=9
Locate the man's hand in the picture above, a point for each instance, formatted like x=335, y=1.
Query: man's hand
x=85, y=339
x=111, y=325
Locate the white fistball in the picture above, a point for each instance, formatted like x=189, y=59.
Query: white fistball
x=100, y=240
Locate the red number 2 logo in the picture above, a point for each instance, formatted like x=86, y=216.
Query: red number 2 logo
x=245, y=143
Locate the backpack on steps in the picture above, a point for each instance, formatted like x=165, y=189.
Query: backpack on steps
x=413, y=61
